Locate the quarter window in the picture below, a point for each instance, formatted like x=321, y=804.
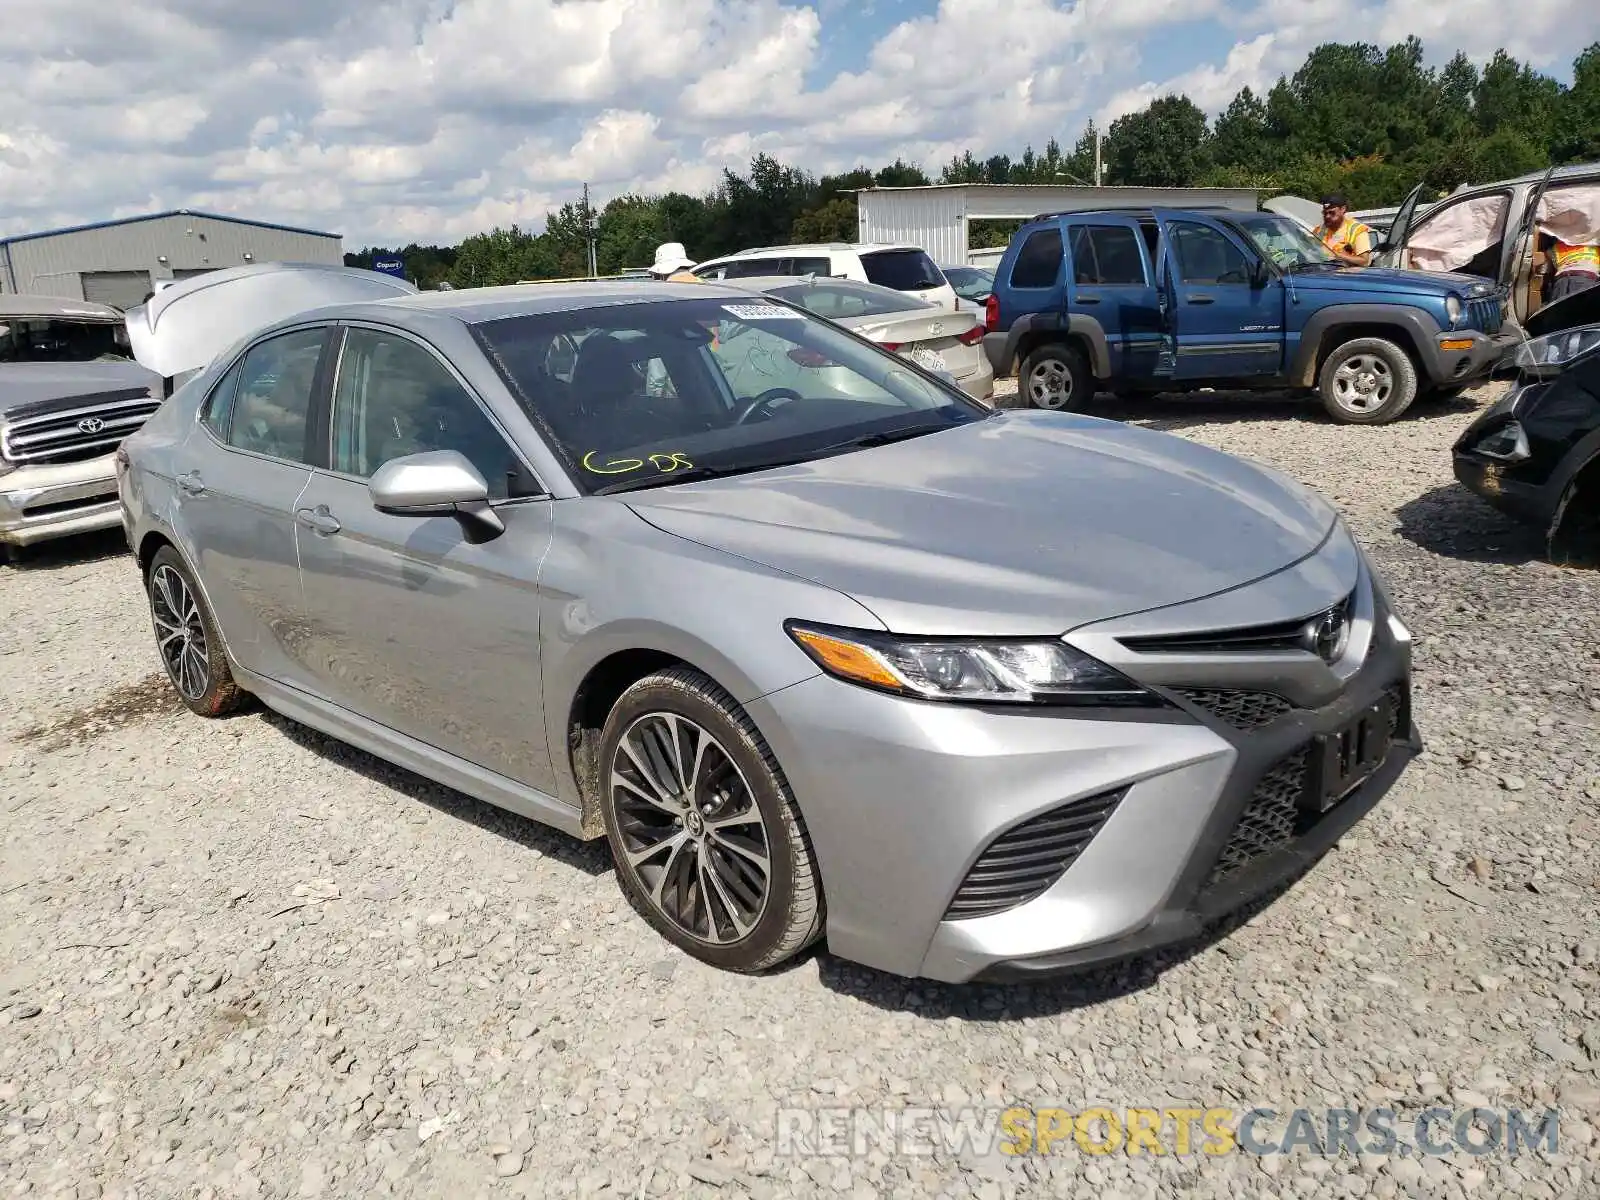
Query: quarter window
x=394, y=398
x=1039, y=261
x=273, y=397
x=219, y=405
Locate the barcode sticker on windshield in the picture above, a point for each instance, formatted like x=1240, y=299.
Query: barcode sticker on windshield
x=761, y=312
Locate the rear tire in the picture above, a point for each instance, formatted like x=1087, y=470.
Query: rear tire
x=1056, y=378
x=187, y=641
x=707, y=840
x=1367, y=381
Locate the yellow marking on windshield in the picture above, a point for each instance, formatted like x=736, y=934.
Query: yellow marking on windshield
x=665, y=463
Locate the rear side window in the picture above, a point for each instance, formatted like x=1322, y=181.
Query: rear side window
x=273, y=401
x=1106, y=254
x=1039, y=261
x=808, y=266
x=749, y=268
x=902, y=270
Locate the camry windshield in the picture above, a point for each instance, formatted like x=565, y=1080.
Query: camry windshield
x=646, y=395
x=1285, y=242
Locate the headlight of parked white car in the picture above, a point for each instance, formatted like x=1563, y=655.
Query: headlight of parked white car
x=1452, y=309
x=1554, y=351
x=999, y=671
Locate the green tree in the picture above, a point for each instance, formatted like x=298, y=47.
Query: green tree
x=1242, y=138
x=835, y=221
x=1577, y=124
x=1518, y=98
x=1165, y=144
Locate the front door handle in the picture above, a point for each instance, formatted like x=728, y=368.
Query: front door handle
x=319, y=520
x=1201, y=299
x=1082, y=299
x=191, y=483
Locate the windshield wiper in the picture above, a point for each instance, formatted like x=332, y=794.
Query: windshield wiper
x=867, y=441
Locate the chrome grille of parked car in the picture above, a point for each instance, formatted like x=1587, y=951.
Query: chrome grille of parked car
x=1025, y=860
x=73, y=434
x=1241, y=709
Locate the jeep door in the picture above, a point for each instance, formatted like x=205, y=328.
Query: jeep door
x=1227, y=312
x=1112, y=280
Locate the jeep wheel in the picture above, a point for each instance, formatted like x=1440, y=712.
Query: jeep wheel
x=1368, y=381
x=1055, y=377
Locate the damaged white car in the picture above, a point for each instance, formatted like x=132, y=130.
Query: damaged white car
x=70, y=391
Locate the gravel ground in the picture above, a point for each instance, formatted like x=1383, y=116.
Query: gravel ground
x=239, y=959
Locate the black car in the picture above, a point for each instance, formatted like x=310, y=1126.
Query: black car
x=1535, y=453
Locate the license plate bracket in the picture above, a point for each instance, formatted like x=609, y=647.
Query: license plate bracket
x=1344, y=759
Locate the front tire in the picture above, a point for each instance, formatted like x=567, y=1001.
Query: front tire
x=707, y=840
x=187, y=641
x=1056, y=378
x=1367, y=381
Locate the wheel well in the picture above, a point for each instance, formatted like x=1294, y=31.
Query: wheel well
x=1029, y=342
x=148, y=549
x=1574, y=535
x=1340, y=334
x=596, y=696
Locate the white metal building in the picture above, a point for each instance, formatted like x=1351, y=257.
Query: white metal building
x=937, y=217
x=120, y=262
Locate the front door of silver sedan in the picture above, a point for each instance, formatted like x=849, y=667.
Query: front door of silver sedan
x=236, y=486
x=413, y=622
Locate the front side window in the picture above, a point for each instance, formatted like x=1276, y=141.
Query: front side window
x=710, y=386
x=1038, y=263
x=273, y=400
x=394, y=398
x=1206, y=257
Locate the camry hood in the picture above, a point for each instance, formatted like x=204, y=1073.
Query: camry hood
x=183, y=327
x=1020, y=524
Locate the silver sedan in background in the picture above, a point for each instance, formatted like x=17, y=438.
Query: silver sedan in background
x=971, y=693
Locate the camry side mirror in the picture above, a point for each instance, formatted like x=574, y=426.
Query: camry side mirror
x=435, y=484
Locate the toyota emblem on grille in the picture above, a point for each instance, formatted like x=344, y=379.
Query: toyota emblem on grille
x=1325, y=634
x=91, y=425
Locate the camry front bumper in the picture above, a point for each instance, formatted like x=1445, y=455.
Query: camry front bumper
x=915, y=808
x=38, y=503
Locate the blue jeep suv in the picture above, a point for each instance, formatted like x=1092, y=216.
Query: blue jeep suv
x=1149, y=300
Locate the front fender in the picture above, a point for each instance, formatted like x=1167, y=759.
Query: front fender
x=1418, y=324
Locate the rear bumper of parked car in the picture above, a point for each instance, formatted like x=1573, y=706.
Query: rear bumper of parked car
x=979, y=382
x=906, y=800
x=38, y=503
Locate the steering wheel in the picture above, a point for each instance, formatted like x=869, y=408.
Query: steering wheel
x=765, y=401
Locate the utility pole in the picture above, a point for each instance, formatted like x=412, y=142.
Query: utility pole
x=1099, y=176
x=588, y=232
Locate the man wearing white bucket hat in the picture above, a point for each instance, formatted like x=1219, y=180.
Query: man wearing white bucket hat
x=672, y=264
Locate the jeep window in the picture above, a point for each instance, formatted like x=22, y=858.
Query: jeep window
x=53, y=340
x=1039, y=261
x=902, y=270
x=1205, y=256
x=1283, y=241
x=1106, y=255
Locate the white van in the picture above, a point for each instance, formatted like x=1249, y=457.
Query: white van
x=903, y=268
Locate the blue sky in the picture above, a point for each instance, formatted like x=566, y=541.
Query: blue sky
x=391, y=120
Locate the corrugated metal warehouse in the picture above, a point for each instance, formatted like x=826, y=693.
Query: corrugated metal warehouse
x=937, y=216
x=120, y=262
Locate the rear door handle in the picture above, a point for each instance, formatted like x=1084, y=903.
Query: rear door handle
x=191, y=483
x=1201, y=299
x=319, y=520
x=1082, y=299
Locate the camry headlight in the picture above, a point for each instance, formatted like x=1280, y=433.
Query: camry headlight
x=991, y=671
x=1554, y=351
x=1452, y=309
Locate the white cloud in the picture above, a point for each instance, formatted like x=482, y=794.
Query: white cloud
x=431, y=119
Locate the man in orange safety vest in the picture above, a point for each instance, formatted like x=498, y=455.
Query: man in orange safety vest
x=1576, y=268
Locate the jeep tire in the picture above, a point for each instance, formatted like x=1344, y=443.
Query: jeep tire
x=1367, y=381
x=1055, y=376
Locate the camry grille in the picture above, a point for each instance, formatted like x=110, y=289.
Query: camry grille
x=1022, y=863
x=1275, y=638
x=1243, y=710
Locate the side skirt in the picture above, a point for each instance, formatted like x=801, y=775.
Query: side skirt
x=427, y=761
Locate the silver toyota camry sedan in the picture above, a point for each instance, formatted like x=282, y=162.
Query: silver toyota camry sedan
x=971, y=693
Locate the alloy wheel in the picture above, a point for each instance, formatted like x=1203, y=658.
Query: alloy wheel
x=1363, y=384
x=180, y=633
x=1050, y=384
x=691, y=831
